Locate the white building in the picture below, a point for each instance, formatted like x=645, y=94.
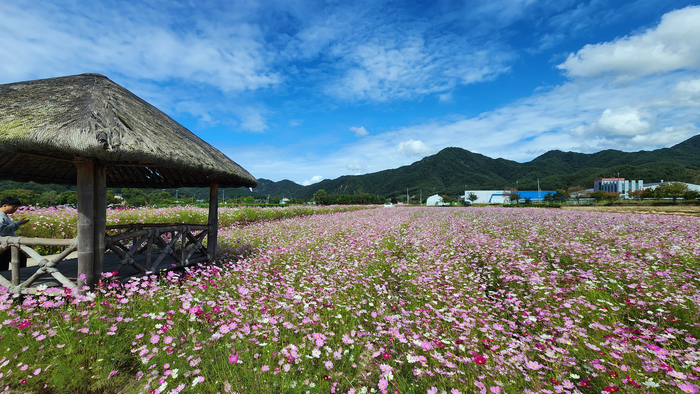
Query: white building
x=695, y=188
x=434, y=200
x=503, y=197
x=624, y=187
x=487, y=197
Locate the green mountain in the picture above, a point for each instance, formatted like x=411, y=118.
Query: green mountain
x=452, y=170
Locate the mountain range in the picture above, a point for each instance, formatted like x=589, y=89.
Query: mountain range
x=453, y=170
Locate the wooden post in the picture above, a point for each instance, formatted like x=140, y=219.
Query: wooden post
x=100, y=201
x=213, y=219
x=14, y=264
x=86, y=221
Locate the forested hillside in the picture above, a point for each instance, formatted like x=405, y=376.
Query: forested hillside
x=452, y=170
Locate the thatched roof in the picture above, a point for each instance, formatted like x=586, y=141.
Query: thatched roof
x=46, y=124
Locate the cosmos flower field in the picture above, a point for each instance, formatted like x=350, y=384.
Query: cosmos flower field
x=407, y=300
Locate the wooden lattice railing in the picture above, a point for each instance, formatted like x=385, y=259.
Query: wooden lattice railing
x=182, y=242
x=179, y=241
x=24, y=245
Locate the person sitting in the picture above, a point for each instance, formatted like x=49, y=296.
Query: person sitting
x=8, y=228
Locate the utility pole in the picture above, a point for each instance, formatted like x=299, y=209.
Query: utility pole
x=408, y=199
x=538, y=190
x=421, y=196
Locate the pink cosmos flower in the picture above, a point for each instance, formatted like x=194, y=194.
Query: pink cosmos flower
x=678, y=375
x=265, y=368
x=383, y=384
x=688, y=387
x=233, y=358
x=534, y=365
x=432, y=390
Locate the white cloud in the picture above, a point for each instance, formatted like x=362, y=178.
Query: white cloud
x=672, y=45
x=390, y=68
x=667, y=136
x=314, y=179
x=415, y=148
x=445, y=97
x=41, y=39
x=359, y=131
x=252, y=119
x=356, y=167
x=197, y=109
x=624, y=122
x=688, y=92
x=691, y=87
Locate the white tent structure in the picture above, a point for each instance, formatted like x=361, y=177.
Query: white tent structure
x=434, y=200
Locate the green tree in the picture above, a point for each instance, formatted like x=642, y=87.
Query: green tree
x=160, y=198
x=598, y=195
x=249, y=200
x=515, y=197
x=111, y=198
x=674, y=190
x=691, y=195
x=134, y=197
x=610, y=197
x=636, y=194
x=649, y=193
x=49, y=198
x=472, y=197
x=321, y=197
x=576, y=192
x=69, y=197
x=27, y=197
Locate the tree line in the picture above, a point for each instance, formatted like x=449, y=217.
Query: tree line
x=672, y=190
x=360, y=197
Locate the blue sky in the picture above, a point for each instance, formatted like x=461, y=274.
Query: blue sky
x=311, y=90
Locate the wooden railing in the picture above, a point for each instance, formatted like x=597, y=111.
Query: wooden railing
x=179, y=241
x=23, y=245
x=182, y=242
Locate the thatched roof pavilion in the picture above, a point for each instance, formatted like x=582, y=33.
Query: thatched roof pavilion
x=46, y=124
x=88, y=130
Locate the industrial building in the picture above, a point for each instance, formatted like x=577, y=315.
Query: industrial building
x=624, y=187
x=503, y=197
x=617, y=185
